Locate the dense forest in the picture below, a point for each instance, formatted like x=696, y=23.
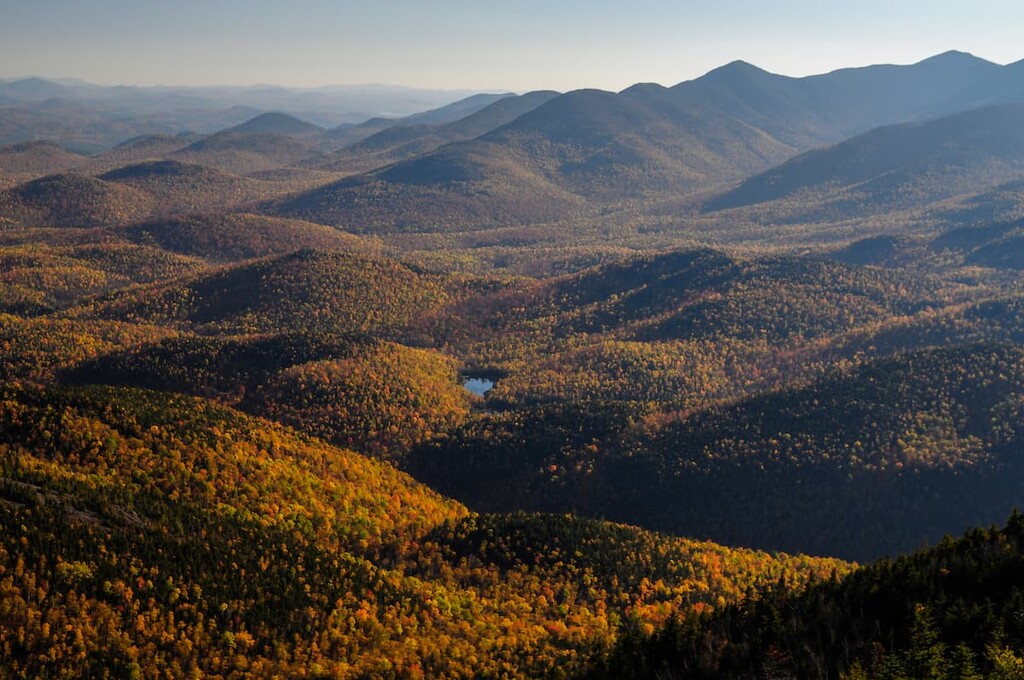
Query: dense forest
x=930, y=437
x=146, y=531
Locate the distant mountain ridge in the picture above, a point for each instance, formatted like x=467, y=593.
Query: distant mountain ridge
x=832, y=106
x=93, y=118
x=345, y=135
x=503, y=160
x=896, y=166
x=649, y=140
x=405, y=139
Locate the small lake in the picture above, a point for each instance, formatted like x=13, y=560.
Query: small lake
x=478, y=386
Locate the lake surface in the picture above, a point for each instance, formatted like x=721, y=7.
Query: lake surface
x=478, y=386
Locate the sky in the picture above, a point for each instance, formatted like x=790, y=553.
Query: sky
x=516, y=45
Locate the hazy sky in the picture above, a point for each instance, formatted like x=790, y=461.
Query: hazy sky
x=486, y=44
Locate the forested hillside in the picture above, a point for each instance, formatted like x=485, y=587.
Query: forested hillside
x=951, y=611
x=890, y=168
x=149, y=533
x=377, y=397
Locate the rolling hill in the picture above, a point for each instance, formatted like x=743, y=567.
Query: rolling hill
x=305, y=291
x=231, y=237
x=346, y=134
x=36, y=279
x=708, y=293
x=589, y=144
x=500, y=112
x=455, y=110
x=995, y=245
x=30, y=90
x=69, y=200
x=642, y=140
x=679, y=328
x=1001, y=204
x=244, y=152
x=132, y=193
x=824, y=109
x=998, y=86
x=37, y=348
x=177, y=187
x=450, y=189
x=22, y=162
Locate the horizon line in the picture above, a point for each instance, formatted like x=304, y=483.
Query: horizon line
x=465, y=90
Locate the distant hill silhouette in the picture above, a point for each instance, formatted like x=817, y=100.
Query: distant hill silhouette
x=1003, y=85
x=456, y=110
x=278, y=124
x=349, y=133
x=30, y=90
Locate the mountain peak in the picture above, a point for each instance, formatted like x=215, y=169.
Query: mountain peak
x=954, y=56
x=736, y=67
x=734, y=72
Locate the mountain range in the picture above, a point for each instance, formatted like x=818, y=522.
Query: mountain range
x=650, y=142
x=471, y=164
